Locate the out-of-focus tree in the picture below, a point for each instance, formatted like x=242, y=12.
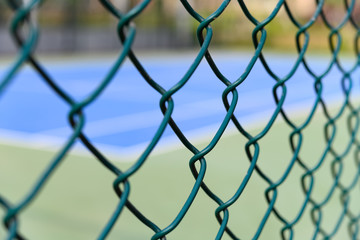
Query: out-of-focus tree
x=4, y=13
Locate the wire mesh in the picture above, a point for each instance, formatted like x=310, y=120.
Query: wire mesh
x=126, y=30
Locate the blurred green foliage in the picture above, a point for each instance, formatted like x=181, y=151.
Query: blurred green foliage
x=231, y=29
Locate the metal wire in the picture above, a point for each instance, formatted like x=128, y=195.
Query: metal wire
x=126, y=31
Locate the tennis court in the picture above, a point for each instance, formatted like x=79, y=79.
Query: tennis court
x=116, y=120
x=78, y=200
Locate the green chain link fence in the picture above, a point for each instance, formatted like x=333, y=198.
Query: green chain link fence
x=26, y=41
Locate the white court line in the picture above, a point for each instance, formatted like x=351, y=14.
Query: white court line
x=166, y=144
x=140, y=120
x=137, y=121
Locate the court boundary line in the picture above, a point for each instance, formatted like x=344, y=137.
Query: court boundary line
x=167, y=144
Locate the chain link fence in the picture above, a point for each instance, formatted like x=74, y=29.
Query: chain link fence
x=25, y=33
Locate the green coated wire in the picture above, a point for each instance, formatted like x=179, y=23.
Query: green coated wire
x=126, y=31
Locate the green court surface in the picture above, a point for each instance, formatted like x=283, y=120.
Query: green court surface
x=79, y=199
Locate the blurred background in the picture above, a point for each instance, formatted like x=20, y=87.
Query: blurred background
x=79, y=198
x=71, y=26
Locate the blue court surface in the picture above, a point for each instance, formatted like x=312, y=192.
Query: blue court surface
x=126, y=115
